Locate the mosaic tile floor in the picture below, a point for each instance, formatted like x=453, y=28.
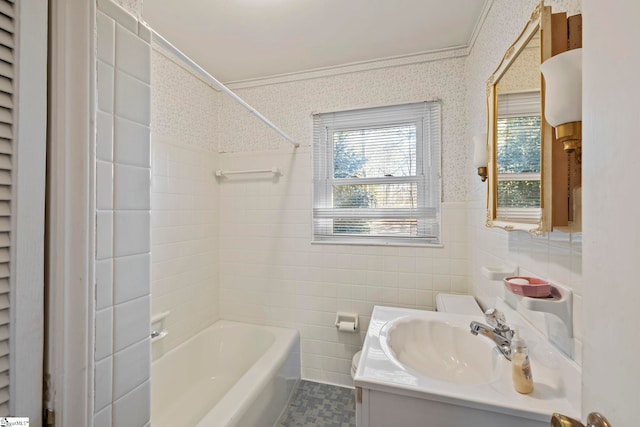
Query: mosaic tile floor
x=320, y=405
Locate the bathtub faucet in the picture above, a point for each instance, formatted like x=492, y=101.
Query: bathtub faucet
x=497, y=330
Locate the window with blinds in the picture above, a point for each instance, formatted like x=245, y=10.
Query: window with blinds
x=518, y=151
x=6, y=143
x=377, y=175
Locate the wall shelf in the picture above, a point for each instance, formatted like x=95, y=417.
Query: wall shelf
x=222, y=173
x=558, y=309
x=499, y=272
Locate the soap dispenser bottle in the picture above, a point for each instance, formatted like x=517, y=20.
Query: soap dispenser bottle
x=520, y=365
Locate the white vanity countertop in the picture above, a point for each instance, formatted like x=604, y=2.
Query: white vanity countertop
x=557, y=379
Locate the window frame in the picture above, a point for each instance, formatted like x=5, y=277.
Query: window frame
x=426, y=116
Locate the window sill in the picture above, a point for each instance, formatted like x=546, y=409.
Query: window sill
x=356, y=242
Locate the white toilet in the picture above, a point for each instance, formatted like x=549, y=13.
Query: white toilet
x=458, y=304
x=354, y=363
x=446, y=303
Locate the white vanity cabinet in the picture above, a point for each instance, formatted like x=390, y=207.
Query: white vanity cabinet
x=394, y=389
x=375, y=408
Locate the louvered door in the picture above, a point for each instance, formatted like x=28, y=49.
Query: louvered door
x=23, y=116
x=6, y=149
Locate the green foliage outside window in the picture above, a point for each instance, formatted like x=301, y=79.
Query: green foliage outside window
x=518, y=152
x=348, y=164
x=519, y=194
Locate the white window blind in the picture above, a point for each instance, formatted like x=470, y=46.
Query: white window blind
x=377, y=175
x=6, y=148
x=518, y=151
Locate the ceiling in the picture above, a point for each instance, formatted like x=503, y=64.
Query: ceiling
x=237, y=40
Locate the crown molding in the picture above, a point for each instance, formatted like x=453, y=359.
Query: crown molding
x=353, y=67
x=479, y=24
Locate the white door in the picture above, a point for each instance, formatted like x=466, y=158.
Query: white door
x=23, y=124
x=71, y=212
x=611, y=210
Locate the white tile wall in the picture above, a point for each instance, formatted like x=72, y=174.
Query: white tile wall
x=131, y=232
x=123, y=12
x=128, y=98
x=102, y=418
x=104, y=283
x=134, y=7
x=122, y=273
x=132, y=188
x=104, y=234
x=104, y=333
x=184, y=202
x=104, y=136
x=556, y=257
x=132, y=277
x=133, y=409
x=132, y=54
x=133, y=143
x=134, y=369
x=105, y=26
x=271, y=273
x=105, y=87
x=104, y=184
x=131, y=322
x=103, y=383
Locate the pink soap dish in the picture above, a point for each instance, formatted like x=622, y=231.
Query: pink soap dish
x=528, y=286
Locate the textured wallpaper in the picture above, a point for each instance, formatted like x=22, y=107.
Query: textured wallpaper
x=504, y=22
x=523, y=74
x=184, y=201
x=290, y=105
x=177, y=91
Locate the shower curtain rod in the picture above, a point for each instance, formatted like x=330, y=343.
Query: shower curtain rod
x=209, y=78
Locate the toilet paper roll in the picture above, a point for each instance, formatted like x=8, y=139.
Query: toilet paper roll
x=347, y=327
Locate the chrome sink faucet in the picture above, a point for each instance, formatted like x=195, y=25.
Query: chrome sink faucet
x=497, y=330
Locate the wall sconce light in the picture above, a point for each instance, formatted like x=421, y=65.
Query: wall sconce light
x=480, y=155
x=563, y=97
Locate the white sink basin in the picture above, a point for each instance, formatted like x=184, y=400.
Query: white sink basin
x=442, y=351
x=433, y=364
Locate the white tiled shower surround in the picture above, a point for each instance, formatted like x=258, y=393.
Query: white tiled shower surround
x=184, y=201
x=123, y=259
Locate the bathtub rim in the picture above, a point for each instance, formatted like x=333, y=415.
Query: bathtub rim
x=239, y=398
x=236, y=401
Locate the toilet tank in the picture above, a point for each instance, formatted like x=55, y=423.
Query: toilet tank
x=459, y=304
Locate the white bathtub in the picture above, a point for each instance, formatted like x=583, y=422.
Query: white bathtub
x=230, y=374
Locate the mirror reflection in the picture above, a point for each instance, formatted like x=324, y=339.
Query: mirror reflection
x=518, y=136
x=519, y=139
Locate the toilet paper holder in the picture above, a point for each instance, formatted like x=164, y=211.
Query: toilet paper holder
x=347, y=322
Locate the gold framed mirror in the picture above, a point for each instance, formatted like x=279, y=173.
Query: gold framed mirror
x=519, y=139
